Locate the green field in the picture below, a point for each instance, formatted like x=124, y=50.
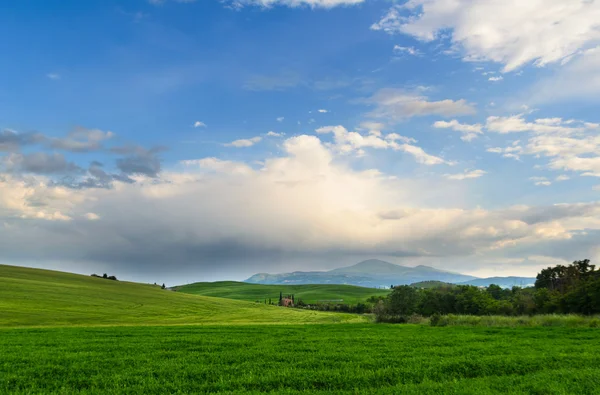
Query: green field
x=33, y=297
x=352, y=359
x=62, y=333
x=310, y=293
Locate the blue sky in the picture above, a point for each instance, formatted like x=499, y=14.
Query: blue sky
x=273, y=135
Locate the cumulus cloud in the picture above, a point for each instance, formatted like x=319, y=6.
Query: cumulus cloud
x=506, y=32
x=466, y=175
x=469, y=132
x=577, y=80
x=241, y=143
x=139, y=160
x=11, y=140
x=541, y=181
x=397, y=104
x=274, y=134
x=570, y=145
x=298, y=204
x=80, y=140
x=199, y=124
x=40, y=163
x=346, y=142
x=496, y=79
x=322, y=111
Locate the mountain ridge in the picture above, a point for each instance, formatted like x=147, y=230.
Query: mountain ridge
x=377, y=273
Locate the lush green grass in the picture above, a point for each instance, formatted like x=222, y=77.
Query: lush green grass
x=551, y=320
x=32, y=297
x=310, y=293
x=351, y=359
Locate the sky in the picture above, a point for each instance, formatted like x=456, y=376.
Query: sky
x=179, y=140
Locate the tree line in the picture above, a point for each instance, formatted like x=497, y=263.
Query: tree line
x=572, y=289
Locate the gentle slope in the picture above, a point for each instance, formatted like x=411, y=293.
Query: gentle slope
x=311, y=293
x=33, y=297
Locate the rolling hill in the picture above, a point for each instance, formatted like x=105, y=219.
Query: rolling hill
x=34, y=297
x=504, y=282
x=309, y=293
x=369, y=273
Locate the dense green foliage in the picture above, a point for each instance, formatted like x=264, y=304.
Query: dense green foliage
x=431, y=284
x=33, y=297
x=573, y=289
x=342, y=359
x=308, y=294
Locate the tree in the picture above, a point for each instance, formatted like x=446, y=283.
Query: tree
x=496, y=292
x=403, y=300
x=163, y=286
x=280, y=298
x=105, y=275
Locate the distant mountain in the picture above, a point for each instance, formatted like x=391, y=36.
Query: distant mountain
x=369, y=273
x=504, y=282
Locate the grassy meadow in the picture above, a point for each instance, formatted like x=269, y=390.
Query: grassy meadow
x=343, y=359
x=33, y=297
x=309, y=293
x=62, y=333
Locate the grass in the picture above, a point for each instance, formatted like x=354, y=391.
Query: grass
x=33, y=297
x=341, y=359
x=548, y=320
x=310, y=293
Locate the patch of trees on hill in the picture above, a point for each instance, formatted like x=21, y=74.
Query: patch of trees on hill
x=105, y=276
x=573, y=289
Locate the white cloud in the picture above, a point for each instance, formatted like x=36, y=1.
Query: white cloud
x=407, y=50
x=243, y=143
x=506, y=32
x=353, y=142
x=469, y=132
x=92, y=216
x=577, y=80
x=300, y=203
x=274, y=134
x=496, y=79
x=53, y=76
x=199, y=124
x=570, y=145
x=541, y=181
x=466, y=175
x=280, y=119
x=517, y=123
x=295, y=3
x=562, y=178
x=396, y=104
x=323, y=111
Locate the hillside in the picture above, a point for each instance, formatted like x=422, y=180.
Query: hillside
x=310, y=293
x=34, y=297
x=369, y=273
x=432, y=284
x=505, y=282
